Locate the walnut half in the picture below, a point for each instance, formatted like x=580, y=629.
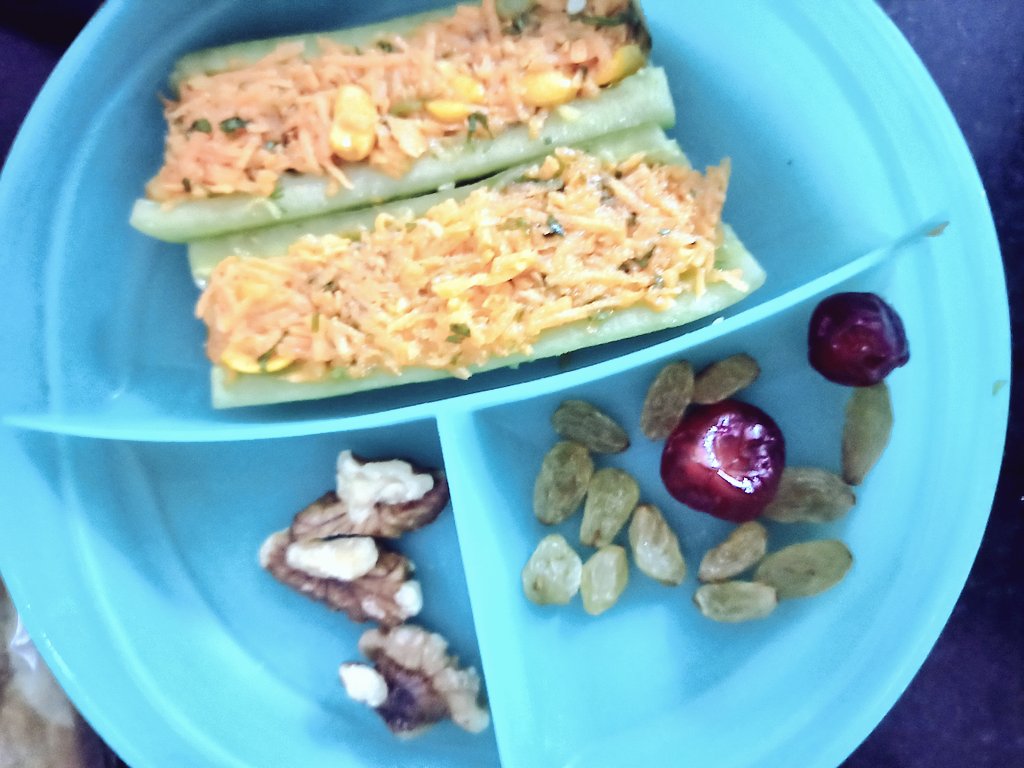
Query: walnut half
x=414, y=682
x=374, y=498
x=351, y=574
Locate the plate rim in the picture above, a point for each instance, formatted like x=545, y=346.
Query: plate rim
x=62, y=78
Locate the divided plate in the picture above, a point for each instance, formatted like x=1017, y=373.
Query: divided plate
x=133, y=560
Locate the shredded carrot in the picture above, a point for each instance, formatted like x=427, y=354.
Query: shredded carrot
x=473, y=279
x=240, y=130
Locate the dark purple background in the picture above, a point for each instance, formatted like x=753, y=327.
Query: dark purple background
x=965, y=709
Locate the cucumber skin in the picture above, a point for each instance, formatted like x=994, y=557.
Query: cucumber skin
x=211, y=60
x=267, y=389
x=639, y=99
x=203, y=255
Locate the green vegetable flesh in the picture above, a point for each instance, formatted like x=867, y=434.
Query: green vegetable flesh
x=640, y=99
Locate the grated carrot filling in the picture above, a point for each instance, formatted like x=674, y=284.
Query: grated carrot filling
x=241, y=129
x=574, y=239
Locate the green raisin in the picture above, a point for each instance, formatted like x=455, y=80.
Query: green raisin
x=725, y=378
x=562, y=482
x=667, y=399
x=552, y=574
x=585, y=423
x=604, y=579
x=805, y=569
x=655, y=546
x=611, y=496
x=743, y=548
x=810, y=495
x=734, y=601
x=866, y=432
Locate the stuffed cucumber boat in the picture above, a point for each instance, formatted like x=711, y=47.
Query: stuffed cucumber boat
x=584, y=246
x=289, y=128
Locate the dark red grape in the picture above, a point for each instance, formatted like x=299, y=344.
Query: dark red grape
x=856, y=339
x=725, y=459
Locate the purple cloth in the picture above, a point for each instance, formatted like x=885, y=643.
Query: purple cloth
x=965, y=709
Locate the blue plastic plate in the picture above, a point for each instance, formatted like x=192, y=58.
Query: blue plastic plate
x=133, y=560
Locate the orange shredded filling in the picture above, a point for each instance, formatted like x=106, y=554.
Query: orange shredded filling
x=241, y=129
x=575, y=239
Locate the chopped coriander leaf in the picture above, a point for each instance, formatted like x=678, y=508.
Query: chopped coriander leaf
x=278, y=191
x=330, y=285
x=473, y=122
x=639, y=262
x=202, y=125
x=405, y=108
x=554, y=228
x=264, y=359
x=386, y=46
x=600, y=21
x=459, y=333
x=518, y=24
x=627, y=16
x=233, y=124
x=516, y=223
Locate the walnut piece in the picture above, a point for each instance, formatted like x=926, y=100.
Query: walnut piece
x=384, y=593
x=374, y=498
x=417, y=683
x=345, y=559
